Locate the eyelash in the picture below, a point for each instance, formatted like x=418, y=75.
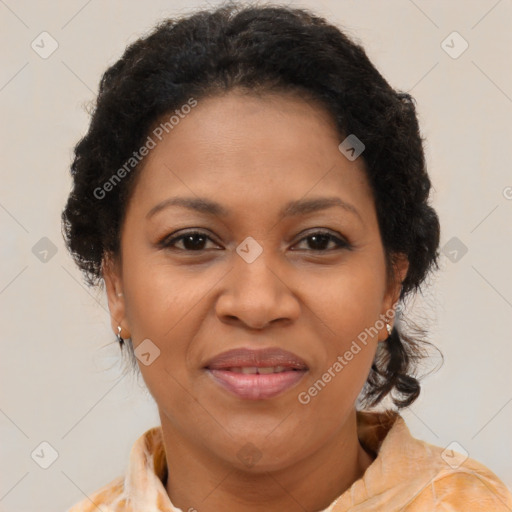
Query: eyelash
x=169, y=243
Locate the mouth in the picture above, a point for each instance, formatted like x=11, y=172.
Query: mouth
x=256, y=374
x=264, y=370
x=251, y=383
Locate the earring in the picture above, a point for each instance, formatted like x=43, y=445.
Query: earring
x=388, y=328
x=119, y=339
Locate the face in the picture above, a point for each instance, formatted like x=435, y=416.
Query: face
x=308, y=281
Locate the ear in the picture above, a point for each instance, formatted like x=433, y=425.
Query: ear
x=112, y=275
x=400, y=266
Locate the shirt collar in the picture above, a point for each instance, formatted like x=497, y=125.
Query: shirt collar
x=147, y=470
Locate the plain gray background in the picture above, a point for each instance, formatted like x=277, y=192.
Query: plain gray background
x=60, y=366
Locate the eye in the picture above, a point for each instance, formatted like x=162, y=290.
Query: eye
x=193, y=241
x=320, y=239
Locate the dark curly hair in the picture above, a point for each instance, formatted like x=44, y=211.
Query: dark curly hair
x=262, y=49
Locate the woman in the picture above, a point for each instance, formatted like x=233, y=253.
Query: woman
x=254, y=196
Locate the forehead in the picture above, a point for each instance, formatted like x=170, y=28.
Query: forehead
x=252, y=151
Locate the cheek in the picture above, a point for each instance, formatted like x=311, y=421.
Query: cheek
x=160, y=295
x=334, y=386
x=349, y=305
x=349, y=301
x=165, y=304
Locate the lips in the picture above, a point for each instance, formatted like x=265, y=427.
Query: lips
x=256, y=374
x=260, y=359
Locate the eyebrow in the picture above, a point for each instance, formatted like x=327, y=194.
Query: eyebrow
x=291, y=209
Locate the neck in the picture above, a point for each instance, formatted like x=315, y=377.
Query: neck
x=200, y=480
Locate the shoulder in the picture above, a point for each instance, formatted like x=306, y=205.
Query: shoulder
x=109, y=498
x=419, y=476
x=463, y=489
x=140, y=488
x=458, y=482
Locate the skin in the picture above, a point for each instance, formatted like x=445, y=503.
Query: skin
x=253, y=154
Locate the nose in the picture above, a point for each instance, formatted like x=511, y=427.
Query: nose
x=258, y=294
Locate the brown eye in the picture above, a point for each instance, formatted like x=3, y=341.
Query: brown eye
x=193, y=241
x=320, y=240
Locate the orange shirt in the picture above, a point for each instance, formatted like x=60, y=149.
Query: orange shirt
x=407, y=475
